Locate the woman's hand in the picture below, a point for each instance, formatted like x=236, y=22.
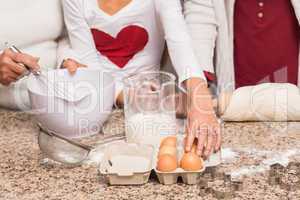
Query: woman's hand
x=10, y=70
x=202, y=120
x=72, y=65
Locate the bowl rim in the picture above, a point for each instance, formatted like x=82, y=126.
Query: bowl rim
x=31, y=88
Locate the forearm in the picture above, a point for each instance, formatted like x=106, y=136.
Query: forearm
x=202, y=26
x=179, y=41
x=202, y=121
x=198, y=95
x=81, y=41
x=64, y=52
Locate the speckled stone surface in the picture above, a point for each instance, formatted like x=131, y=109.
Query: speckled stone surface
x=22, y=176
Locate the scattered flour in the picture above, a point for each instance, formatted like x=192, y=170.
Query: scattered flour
x=249, y=170
x=275, y=157
x=228, y=155
x=255, y=152
x=96, y=155
x=281, y=158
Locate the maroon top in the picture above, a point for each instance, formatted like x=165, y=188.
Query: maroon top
x=266, y=42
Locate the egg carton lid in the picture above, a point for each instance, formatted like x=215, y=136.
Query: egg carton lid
x=127, y=164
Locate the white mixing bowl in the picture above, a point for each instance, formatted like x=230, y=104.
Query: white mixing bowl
x=85, y=105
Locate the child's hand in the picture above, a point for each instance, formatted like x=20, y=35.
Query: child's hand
x=120, y=100
x=72, y=65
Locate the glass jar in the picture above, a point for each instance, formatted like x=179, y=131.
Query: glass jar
x=149, y=103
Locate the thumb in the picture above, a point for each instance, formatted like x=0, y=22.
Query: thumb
x=37, y=61
x=81, y=65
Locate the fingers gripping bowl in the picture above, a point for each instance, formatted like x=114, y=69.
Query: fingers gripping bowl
x=85, y=105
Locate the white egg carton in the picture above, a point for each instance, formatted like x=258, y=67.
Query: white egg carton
x=131, y=164
x=127, y=164
x=188, y=177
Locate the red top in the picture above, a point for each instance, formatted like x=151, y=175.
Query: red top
x=266, y=42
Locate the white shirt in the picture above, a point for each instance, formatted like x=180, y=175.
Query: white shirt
x=35, y=27
x=162, y=20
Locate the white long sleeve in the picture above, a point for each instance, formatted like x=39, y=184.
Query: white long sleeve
x=81, y=39
x=64, y=51
x=178, y=40
x=296, y=5
x=100, y=39
x=202, y=25
x=34, y=27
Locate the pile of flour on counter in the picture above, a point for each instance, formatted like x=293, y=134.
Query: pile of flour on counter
x=272, y=157
x=140, y=128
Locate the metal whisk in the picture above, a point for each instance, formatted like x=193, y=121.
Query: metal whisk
x=57, y=90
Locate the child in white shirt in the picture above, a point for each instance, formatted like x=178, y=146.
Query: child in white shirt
x=131, y=40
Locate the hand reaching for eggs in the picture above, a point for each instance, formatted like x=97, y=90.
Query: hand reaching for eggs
x=202, y=121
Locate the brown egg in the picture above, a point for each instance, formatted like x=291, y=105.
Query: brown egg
x=169, y=141
x=191, y=162
x=167, y=163
x=169, y=150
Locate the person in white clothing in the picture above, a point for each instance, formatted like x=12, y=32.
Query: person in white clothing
x=36, y=28
x=126, y=37
x=246, y=42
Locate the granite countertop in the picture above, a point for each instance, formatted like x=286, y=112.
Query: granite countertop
x=24, y=176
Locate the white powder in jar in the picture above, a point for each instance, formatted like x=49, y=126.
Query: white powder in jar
x=150, y=128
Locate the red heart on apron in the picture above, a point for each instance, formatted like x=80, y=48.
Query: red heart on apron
x=121, y=49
